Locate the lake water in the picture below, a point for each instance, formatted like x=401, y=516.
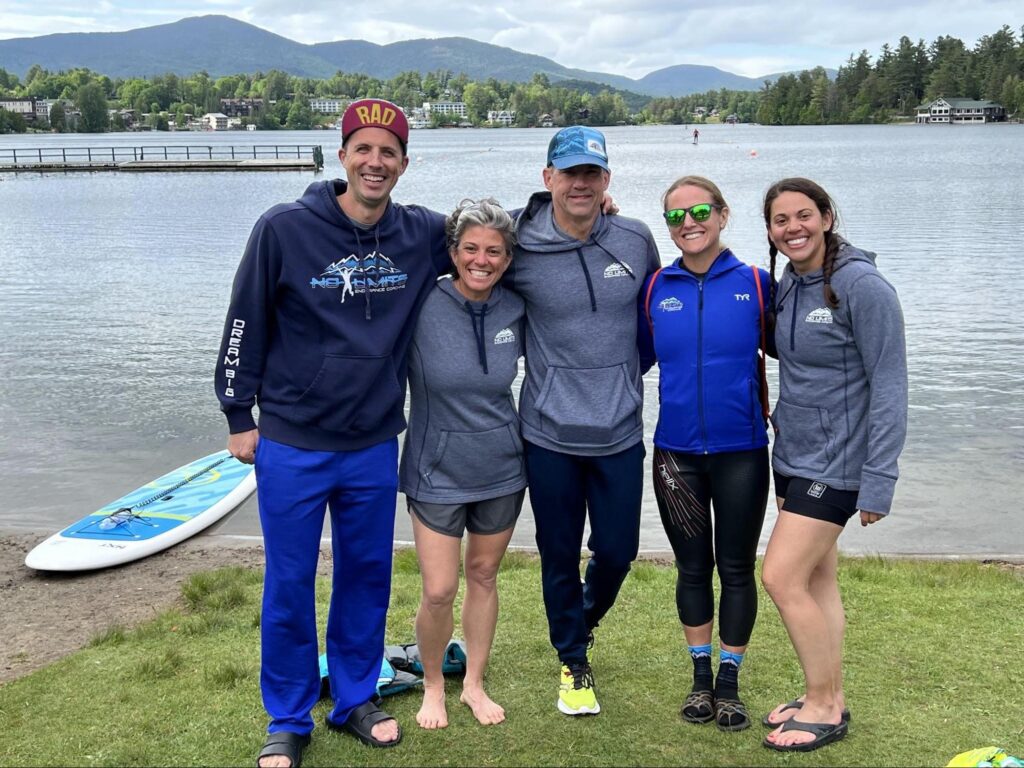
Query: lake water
x=114, y=286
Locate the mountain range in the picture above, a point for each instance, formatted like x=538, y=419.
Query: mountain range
x=221, y=45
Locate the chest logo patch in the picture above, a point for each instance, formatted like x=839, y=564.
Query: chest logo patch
x=374, y=272
x=821, y=315
x=671, y=304
x=616, y=270
x=505, y=336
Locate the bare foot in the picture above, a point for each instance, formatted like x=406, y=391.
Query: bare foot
x=432, y=712
x=385, y=730
x=275, y=761
x=793, y=736
x=484, y=709
x=807, y=714
x=783, y=712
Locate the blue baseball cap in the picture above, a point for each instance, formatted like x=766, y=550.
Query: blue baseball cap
x=577, y=145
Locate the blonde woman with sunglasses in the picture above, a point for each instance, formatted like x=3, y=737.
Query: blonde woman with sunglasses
x=704, y=321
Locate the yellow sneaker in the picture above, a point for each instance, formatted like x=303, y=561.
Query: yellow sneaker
x=576, y=692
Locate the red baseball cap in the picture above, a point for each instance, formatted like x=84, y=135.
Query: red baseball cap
x=375, y=113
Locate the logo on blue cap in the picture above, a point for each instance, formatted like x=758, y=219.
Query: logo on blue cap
x=577, y=145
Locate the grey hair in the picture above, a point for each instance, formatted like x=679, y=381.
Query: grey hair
x=485, y=212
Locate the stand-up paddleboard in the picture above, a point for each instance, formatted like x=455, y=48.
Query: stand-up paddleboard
x=154, y=517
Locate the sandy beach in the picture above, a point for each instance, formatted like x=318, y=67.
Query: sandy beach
x=49, y=615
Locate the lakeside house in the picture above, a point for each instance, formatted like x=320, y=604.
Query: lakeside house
x=215, y=121
x=960, y=111
x=502, y=117
x=329, y=106
x=27, y=108
x=241, y=107
x=457, y=108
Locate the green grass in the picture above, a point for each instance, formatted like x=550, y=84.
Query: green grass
x=932, y=661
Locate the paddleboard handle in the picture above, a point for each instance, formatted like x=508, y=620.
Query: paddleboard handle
x=122, y=516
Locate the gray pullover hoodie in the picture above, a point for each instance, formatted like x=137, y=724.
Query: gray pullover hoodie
x=583, y=392
x=841, y=417
x=463, y=442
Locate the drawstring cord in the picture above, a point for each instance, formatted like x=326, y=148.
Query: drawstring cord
x=362, y=264
x=590, y=284
x=481, y=348
x=614, y=258
x=586, y=273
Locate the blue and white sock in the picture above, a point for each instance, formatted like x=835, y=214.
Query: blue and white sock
x=727, y=684
x=702, y=677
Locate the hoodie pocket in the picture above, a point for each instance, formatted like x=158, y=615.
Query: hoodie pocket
x=589, y=406
x=805, y=438
x=464, y=461
x=350, y=394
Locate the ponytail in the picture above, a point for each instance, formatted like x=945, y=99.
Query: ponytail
x=828, y=265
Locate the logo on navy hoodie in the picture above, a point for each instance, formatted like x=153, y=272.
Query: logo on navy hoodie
x=374, y=272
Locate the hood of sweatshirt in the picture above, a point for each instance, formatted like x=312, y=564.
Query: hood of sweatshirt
x=536, y=229
x=321, y=198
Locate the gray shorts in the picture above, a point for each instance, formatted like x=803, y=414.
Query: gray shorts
x=480, y=517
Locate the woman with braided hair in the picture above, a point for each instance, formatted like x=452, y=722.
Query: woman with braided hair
x=840, y=425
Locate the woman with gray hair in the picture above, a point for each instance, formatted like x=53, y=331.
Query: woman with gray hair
x=462, y=463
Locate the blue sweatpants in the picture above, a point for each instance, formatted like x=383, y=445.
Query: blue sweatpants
x=294, y=486
x=563, y=489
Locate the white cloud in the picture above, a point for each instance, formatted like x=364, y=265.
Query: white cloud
x=628, y=37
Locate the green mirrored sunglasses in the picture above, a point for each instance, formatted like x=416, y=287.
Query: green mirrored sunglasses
x=699, y=212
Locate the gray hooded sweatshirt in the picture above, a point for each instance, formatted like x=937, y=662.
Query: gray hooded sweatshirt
x=841, y=417
x=583, y=393
x=463, y=442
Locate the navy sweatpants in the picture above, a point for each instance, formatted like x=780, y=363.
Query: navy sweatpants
x=294, y=486
x=564, y=488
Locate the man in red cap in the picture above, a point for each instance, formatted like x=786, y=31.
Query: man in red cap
x=321, y=316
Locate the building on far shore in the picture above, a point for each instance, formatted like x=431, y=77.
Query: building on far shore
x=27, y=108
x=503, y=117
x=329, y=106
x=958, y=111
x=240, y=107
x=215, y=121
x=457, y=108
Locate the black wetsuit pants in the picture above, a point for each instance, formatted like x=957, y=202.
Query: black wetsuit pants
x=734, y=485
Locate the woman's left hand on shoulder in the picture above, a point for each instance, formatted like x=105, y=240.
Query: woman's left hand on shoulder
x=867, y=518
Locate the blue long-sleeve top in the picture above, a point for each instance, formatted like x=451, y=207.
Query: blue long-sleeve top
x=705, y=332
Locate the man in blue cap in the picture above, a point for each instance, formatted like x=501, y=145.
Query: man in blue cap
x=581, y=404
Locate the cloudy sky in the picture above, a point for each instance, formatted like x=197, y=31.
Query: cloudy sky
x=627, y=37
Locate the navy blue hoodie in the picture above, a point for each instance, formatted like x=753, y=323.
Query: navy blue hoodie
x=322, y=312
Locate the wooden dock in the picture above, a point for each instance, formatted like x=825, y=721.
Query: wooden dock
x=185, y=157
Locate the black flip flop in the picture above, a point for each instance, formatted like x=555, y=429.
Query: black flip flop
x=797, y=704
x=360, y=724
x=285, y=744
x=824, y=733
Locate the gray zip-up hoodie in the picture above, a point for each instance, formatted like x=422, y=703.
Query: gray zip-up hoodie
x=463, y=441
x=841, y=417
x=583, y=392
